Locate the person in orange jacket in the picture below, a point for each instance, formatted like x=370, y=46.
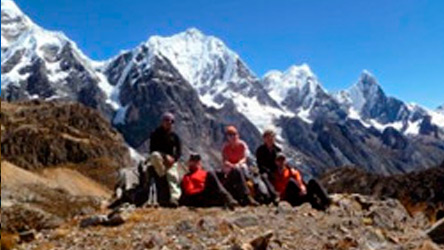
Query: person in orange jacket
x=288, y=182
x=201, y=188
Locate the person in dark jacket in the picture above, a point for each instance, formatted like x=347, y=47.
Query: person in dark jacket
x=201, y=188
x=165, y=152
x=266, y=154
x=265, y=160
x=165, y=141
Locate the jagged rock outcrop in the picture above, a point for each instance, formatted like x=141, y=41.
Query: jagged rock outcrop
x=418, y=191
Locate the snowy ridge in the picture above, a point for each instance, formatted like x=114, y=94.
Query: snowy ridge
x=279, y=84
x=24, y=39
x=14, y=23
x=204, y=61
x=298, y=91
x=365, y=90
x=437, y=118
x=260, y=115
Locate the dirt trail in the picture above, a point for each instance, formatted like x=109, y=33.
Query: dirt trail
x=61, y=178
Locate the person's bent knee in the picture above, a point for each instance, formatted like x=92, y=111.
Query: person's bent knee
x=236, y=171
x=156, y=159
x=156, y=155
x=212, y=175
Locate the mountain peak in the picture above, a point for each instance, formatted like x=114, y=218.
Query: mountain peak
x=194, y=32
x=11, y=8
x=295, y=75
x=440, y=109
x=299, y=69
x=281, y=84
x=368, y=79
x=366, y=72
x=367, y=84
x=192, y=38
x=365, y=90
x=194, y=54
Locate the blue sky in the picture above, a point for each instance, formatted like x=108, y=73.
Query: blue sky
x=401, y=42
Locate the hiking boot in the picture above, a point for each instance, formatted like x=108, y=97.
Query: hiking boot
x=173, y=204
x=231, y=204
x=276, y=201
x=251, y=202
x=254, y=203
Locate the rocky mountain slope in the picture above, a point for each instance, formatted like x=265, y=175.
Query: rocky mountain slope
x=354, y=222
x=417, y=191
x=58, y=160
x=207, y=86
x=40, y=134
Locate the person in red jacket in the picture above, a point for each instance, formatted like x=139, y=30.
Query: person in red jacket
x=201, y=188
x=288, y=182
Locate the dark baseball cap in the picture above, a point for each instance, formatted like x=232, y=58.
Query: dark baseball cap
x=195, y=157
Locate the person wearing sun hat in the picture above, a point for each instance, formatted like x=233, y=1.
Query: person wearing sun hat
x=234, y=156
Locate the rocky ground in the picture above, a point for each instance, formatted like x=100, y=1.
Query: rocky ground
x=421, y=191
x=353, y=222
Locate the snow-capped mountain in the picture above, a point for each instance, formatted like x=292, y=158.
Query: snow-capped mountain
x=368, y=99
x=208, y=86
x=367, y=102
x=216, y=72
x=37, y=63
x=299, y=92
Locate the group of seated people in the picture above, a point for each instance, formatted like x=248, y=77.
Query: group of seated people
x=236, y=184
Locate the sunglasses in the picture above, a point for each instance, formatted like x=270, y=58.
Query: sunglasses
x=231, y=134
x=169, y=120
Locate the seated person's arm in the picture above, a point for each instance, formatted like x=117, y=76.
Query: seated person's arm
x=260, y=161
x=299, y=181
x=244, y=156
x=178, y=151
x=242, y=161
x=227, y=163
